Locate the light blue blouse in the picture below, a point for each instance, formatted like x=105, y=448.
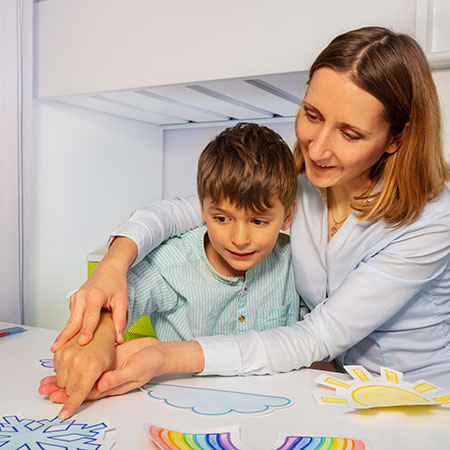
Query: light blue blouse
x=380, y=296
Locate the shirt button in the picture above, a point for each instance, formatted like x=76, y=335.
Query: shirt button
x=241, y=318
x=245, y=287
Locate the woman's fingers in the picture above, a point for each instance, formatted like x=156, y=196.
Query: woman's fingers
x=95, y=301
x=72, y=327
x=121, y=380
x=119, y=308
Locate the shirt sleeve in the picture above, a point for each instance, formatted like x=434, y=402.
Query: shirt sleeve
x=151, y=225
x=373, y=293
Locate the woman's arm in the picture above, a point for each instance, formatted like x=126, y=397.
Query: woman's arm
x=377, y=294
x=145, y=230
x=148, y=227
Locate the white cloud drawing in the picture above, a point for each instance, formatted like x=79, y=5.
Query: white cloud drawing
x=214, y=402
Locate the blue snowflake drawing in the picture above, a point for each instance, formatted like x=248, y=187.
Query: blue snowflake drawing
x=29, y=434
x=47, y=363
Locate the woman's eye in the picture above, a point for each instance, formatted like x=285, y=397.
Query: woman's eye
x=350, y=136
x=311, y=116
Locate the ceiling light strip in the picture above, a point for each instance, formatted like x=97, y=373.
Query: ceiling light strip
x=273, y=90
x=137, y=108
x=226, y=98
x=182, y=104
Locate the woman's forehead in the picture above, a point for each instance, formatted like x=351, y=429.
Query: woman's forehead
x=338, y=98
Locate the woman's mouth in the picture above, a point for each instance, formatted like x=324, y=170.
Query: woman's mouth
x=321, y=167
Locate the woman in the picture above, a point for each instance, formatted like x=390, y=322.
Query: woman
x=370, y=235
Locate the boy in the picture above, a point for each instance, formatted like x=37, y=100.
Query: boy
x=233, y=274
x=228, y=277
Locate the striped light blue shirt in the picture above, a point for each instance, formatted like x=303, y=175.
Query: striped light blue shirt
x=186, y=298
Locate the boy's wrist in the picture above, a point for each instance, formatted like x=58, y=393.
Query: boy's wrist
x=183, y=357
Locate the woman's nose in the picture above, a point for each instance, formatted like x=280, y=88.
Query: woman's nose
x=320, y=145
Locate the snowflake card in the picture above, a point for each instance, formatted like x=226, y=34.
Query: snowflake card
x=55, y=434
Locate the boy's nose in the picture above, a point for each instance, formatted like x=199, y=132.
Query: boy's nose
x=240, y=236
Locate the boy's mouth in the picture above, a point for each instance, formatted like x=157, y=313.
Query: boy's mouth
x=240, y=255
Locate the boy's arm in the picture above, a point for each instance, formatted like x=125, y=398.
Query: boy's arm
x=79, y=367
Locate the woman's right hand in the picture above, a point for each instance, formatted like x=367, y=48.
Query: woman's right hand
x=107, y=288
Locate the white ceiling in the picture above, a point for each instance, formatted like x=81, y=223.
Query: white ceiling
x=239, y=99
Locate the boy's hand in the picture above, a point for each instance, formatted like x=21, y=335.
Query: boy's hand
x=79, y=367
x=133, y=368
x=107, y=289
x=137, y=361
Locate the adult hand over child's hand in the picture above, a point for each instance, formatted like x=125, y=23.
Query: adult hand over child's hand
x=107, y=288
x=79, y=367
x=137, y=362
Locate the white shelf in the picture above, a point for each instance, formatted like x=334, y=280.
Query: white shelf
x=265, y=97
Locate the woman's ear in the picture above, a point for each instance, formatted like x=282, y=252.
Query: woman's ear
x=288, y=216
x=397, y=140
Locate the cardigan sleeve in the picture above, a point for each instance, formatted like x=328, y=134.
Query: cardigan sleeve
x=151, y=225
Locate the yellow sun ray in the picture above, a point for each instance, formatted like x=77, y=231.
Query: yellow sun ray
x=388, y=389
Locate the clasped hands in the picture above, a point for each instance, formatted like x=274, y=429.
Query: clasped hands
x=101, y=368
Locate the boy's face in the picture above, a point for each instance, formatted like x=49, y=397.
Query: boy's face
x=239, y=239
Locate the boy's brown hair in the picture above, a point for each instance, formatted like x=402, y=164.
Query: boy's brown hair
x=248, y=165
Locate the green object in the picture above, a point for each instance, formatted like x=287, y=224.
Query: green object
x=91, y=267
x=141, y=328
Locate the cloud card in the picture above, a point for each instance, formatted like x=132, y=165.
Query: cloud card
x=214, y=402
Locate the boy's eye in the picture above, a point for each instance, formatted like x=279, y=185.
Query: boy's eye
x=221, y=219
x=259, y=222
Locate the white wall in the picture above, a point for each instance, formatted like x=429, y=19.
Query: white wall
x=442, y=80
x=182, y=147
x=101, y=45
x=90, y=170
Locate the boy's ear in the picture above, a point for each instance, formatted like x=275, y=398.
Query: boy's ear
x=203, y=212
x=288, y=216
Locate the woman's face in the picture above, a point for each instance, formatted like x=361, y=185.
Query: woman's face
x=341, y=132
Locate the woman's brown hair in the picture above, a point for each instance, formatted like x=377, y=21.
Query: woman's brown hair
x=393, y=68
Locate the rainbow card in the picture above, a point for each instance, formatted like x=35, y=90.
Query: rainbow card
x=291, y=442
x=229, y=440
x=174, y=440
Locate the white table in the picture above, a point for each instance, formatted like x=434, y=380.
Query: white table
x=400, y=428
